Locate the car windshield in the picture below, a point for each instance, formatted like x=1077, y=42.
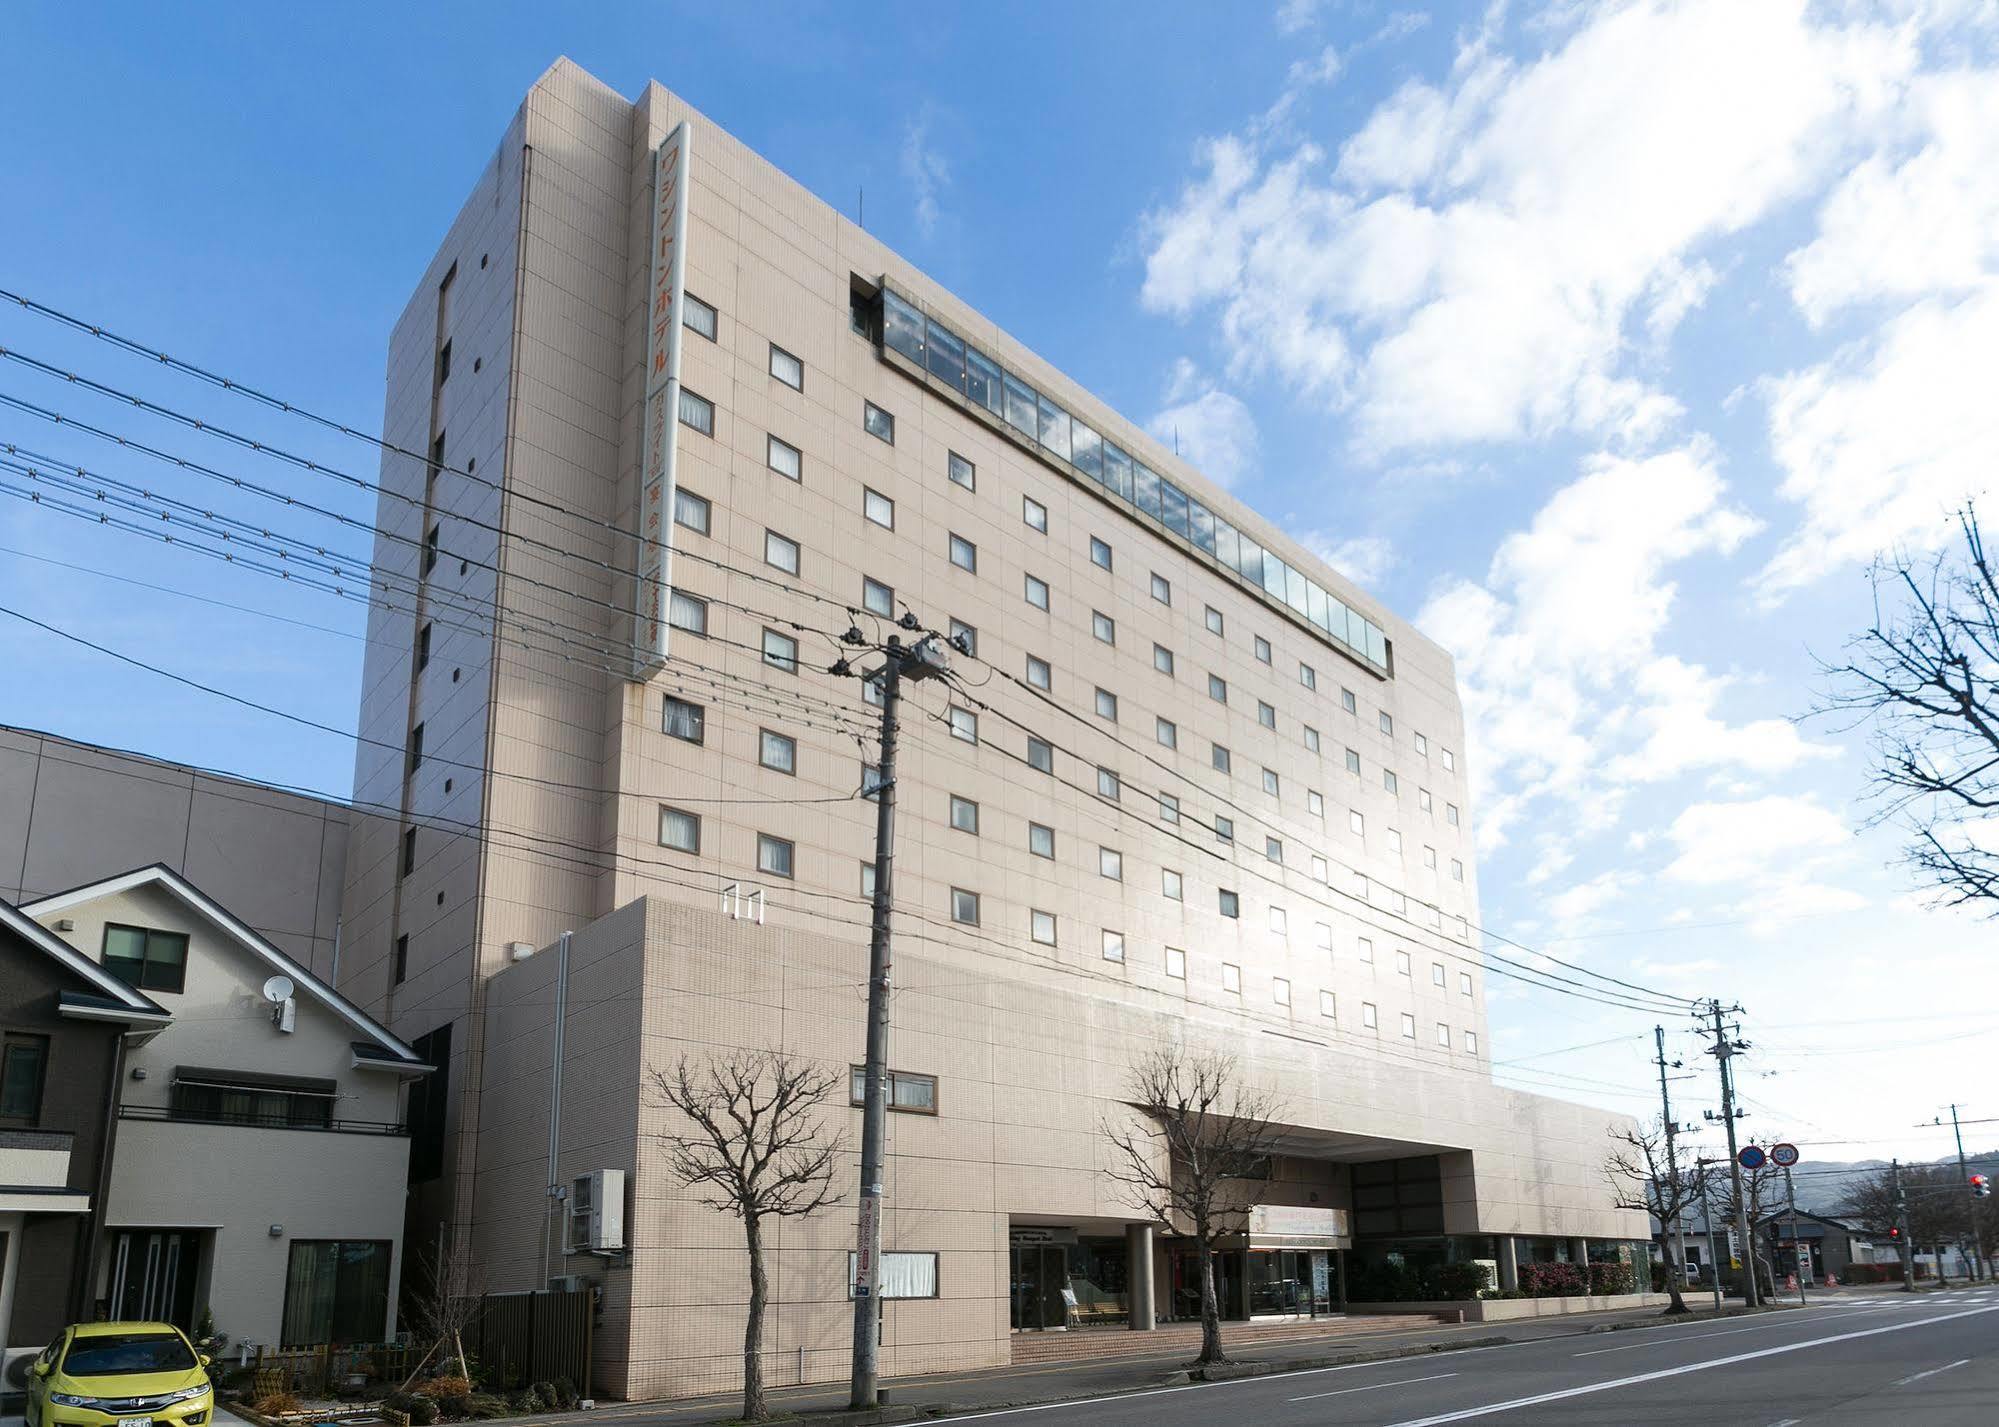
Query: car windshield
x=107, y=1354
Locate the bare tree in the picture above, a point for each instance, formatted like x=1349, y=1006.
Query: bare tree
x=1197, y=1156
x=1924, y=678
x=1931, y=1213
x=446, y=1299
x=1646, y=1177
x=755, y=1148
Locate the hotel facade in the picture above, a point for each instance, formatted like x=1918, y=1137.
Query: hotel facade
x=1189, y=787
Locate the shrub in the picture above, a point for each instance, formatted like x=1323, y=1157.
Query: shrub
x=443, y=1387
x=1553, y=1280
x=560, y=1395
x=422, y=1410
x=1457, y=1281
x=273, y=1404
x=1605, y=1278
x=1384, y=1283
x=483, y=1405
x=453, y=1406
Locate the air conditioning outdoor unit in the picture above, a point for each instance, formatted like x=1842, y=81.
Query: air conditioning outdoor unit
x=597, y=1212
x=568, y=1283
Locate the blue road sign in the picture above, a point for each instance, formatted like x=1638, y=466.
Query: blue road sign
x=1750, y=1157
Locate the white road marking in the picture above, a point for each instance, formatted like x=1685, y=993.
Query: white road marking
x=1378, y=1386
x=1788, y=1422
x=1489, y=1409
x=1919, y=1376
x=1666, y=1341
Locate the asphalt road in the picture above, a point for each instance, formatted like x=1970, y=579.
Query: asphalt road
x=1927, y=1361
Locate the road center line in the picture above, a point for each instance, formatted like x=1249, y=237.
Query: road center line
x=1919, y=1376
x=1465, y=1414
x=1377, y=1386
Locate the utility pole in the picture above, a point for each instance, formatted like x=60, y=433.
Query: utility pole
x=1678, y=1226
x=1707, y=1221
x=1970, y=1199
x=1902, y=1223
x=1723, y=1051
x=917, y=661
x=1800, y=1255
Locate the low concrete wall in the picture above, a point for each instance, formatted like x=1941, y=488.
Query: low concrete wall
x=1500, y=1310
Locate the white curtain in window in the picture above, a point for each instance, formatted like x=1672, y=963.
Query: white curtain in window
x=902, y=1275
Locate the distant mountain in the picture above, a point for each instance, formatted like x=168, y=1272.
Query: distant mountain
x=1823, y=1186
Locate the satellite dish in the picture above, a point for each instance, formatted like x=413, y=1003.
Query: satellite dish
x=278, y=990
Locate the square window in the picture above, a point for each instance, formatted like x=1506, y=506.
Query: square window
x=787, y=368
x=1423, y=799
x=697, y=316
x=877, y=598
x=1166, y=731
x=1214, y=617
x=685, y=721
x=1171, y=886
x=964, y=815
x=1041, y=927
x=1107, y=705
x=1408, y=1027
x=1036, y=590
x=1328, y=1006
x=1273, y=848
x=1040, y=840
x=964, y=724
x=1224, y=828
x=690, y=510
x=1387, y=724
x=1308, y=676
x=1100, y=553
x=1109, y=785
x=1443, y=1035
x=1365, y=949
x=965, y=638
x=775, y=855
x=1162, y=659
x=1231, y=905
x=1450, y=760
x=1162, y=588
x=961, y=472
x=1219, y=757
x=1270, y=784
x=1265, y=714
x=1422, y=746
x=1471, y=1042
x=1034, y=513
x=1039, y=674
x=1314, y=803
x=1103, y=626
x=780, y=552
x=1169, y=808
x=1356, y=823
x=1353, y=762
x=697, y=413
x=878, y=423
x=1348, y=702
x=1218, y=688
x=1110, y=863
x=1430, y=858
x=1231, y=977
x=1280, y=991
x=1176, y=963
x=1279, y=923
x=1369, y=1017
x=1436, y=973
x=679, y=830
x=1040, y=754
x=964, y=554
x=1388, y=780
x=685, y=612
x=878, y=508
x=1262, y=650
x=1319, y=872
x=964, y=907
x=1311, y=739
x=1464, y=983
x=1451, y=814
x=1113, y=945
x=784, y=458
x=780, y=651
x=777, y=751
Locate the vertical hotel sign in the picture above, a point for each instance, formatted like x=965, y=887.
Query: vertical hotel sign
x=665, y=296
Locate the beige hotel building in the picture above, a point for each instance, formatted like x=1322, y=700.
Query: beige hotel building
x=1192, y=787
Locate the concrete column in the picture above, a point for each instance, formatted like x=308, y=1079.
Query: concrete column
x=1509, y=1262
x=1138, y=1277
x=1579, y=1252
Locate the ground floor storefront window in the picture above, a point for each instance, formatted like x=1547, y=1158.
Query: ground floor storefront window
x=337, y=1291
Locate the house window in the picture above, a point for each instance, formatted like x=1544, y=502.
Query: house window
x=1041, y=840
x=1166, y=731
x=1443, y=1035
x=1262, y=650
x=1170, y=885
x=1328, y=1006
x=1450, y=759
x=1422, y=746
x=780, y=651
x=1308, y=676
x=777, y=752
x=1464, y=983
x=152, y=960
x=1408, y=1027
x=1113, y=945
x=878, y=423
x=1356, y=823
x=1231, y=978
x=1219, y=757
x=1214, y=617
x=964, y=724
x=1218, y=688
x=401, y=970
x=1100, y=553
x=1348, y=702
x=1270, y=783
x=1353, y=762
x=679, y=830
x=878, y=508
x=687, y=613
x=1457, y=870
x=1314, y=803
x=964, y=554
x=409, y=851
x=430, y=547
x=787, y=368
x=415, y=750
x=877, y=598
x=961, y=472
x=1265, y=714
x=1109, y=785
x=1041, y=927
x=1401, y=963
x=1280, y=991
x=697, y=316
x=1103, y=627
x=1388, y=780
x=1471, y=1042
x=784, y=458
x=964, y=906
x=780, y=552
x=1162, y=659
x=1273, y=848
x=1224, y=828
x=1322, y=936
x=697, y=412
x=965, y=638
x=1395, y=841
x=1436, y=973
x=775, y=855
x=220, y=1097
x=1279, y=921
x=1107, y=705
x=1423, y=800
x=911, y=1094
x=1319, y=873
x=871, y=781
x=1430, y=858
x=1037, y=592
x=1369, y=1017
x=685, y=721
x=690, y=510
x=1039, y=674
x=1169, y=808
x=964, y=815
x=1110, y=863
x=337, y=1291
x=1311, y=739
x=1034, y=513
x=1176, y=963
x=1162, y=588
x=1040, y=755
x=24, y=1063
x=1365, y=949
x=1451, y=814
x=1387, y=724
x=423, y=648
x=1230, y=904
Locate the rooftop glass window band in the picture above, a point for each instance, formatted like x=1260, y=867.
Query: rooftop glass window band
x=979, y=381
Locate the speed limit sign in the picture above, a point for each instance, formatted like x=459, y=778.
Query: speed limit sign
x=1783, y=1156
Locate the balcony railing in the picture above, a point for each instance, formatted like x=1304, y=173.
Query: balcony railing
x=261, y=1122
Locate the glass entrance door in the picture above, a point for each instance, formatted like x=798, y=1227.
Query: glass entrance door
x=1039, y=1274
x=153, y=1276
x=1294, y=1282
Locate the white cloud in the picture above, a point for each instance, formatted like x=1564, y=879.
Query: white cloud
x=1585, y=899
x=1210, y=428
x=1295, y=15
x=1364, y=559
x=1760, y=840
x=927, y=172
x=1469, y=267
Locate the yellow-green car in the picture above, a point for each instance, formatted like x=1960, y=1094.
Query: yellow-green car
x=120, y=1375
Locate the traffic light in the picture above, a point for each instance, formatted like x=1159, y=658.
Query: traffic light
x=1895, y=1232
x=1980, y=1186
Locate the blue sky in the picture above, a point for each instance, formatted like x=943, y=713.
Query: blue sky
x=1607, y=342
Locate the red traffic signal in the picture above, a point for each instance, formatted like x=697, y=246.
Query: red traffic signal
x=1980, y=1186
x=1895, y=1233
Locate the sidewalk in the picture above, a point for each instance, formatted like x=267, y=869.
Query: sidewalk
x=1027, y=1385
